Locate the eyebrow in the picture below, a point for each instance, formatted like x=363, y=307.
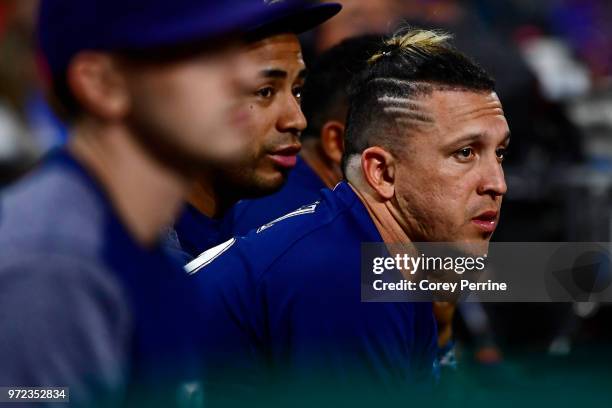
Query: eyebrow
x=469, y=139
x=280, y=74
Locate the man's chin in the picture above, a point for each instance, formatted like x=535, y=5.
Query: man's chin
x=267, y=189
x=471, y=246
x=263, y=186
x=477, y=247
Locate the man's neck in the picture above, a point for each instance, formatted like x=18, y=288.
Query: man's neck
x=327, y=171
x=145, y=194
x=386, y=224
x=204, y=197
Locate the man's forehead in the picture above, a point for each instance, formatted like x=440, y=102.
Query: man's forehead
x=447, y=113
x=277, y=47
x=457, y=105
x=466, y=115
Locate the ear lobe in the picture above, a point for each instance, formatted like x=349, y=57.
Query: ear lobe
x=378, y=167
x=98, y=86
x=332, y=140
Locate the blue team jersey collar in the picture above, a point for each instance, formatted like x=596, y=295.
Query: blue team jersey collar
x=197, y=232
x=345, y=193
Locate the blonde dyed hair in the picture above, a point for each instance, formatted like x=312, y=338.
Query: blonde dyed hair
x=409, y=41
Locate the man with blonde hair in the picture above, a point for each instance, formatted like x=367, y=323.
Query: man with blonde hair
x=426, y=137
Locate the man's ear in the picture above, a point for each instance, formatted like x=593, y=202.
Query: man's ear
x=98, y=85
x=332, y=140
x=379, y=169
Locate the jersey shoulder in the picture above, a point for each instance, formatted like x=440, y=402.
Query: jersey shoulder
x=261, y=248
x=29, y=212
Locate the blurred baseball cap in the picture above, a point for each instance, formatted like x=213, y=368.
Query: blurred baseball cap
x=296, y=19
x=66, y=27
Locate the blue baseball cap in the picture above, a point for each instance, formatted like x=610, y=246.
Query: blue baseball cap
x=296, y=19
x=66, y=27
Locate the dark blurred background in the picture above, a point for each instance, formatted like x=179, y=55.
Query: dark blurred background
x=28, y=128
x=553, y=63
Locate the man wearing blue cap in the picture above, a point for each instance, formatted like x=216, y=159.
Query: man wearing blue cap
x=274, y=131
x=88, y=299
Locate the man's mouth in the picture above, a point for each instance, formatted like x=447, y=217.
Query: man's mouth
x=286, y=156
x=486, y=221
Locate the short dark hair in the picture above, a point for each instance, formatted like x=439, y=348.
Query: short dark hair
x=411, y=64
x=325, y=94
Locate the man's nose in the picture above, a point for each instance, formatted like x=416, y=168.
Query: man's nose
x=493, y=180
x=292, y=118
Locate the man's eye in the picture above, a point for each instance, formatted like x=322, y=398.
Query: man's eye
x=297, y=92
x=501, y=153
x=265, y=92
x=465, y=153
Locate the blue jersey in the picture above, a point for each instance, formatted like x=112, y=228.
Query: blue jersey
x=284, y=301
x=82, y=304
x=195, y=233
x=302, y=187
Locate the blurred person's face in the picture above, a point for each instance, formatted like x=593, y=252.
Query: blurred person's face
x=450, y=182
x=189, y=109
x=23, y=13
x=276, y=118
x=358, y=17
